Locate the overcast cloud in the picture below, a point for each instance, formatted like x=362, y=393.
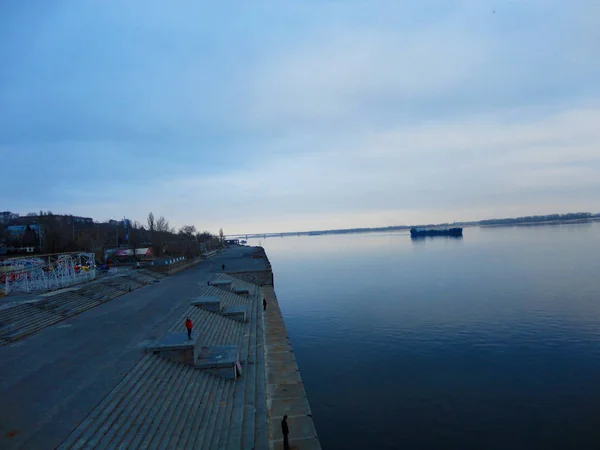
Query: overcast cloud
x=284, y=116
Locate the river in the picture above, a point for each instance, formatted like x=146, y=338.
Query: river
x=491, y=341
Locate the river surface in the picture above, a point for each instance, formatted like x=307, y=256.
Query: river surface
x=487, y=342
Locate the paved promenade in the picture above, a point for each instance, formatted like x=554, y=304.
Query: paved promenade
x=50, y=381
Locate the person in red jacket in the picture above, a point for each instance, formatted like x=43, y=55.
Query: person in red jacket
x=189, y=325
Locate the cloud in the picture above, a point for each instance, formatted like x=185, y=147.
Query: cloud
x=301, y=115
x=444, y=168
x=334, y=73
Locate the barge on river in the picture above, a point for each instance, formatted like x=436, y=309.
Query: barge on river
x=421, y=232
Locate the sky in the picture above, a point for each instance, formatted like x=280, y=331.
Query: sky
x=274, y=115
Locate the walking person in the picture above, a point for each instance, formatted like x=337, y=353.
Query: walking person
x=188, y=326
x=223, y=267
x=285, y=431
x=264, y=304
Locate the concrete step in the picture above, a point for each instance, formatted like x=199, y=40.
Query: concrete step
x=14, y=313
x=146, y=420
x=39, y=323
x=34, y=316
x=51, y=302
x=231, y=434
x=224, y=416
x=214, y=329
x=81, y=308
x=228, y=298
x=134, y=412
x=261, y=437
x=164, y=404
x=249, y=410
x=65, y=303
x=104, y=433
x=123, y=284
x=213, y=405
x=239, y=313
x=182, y=412
x=141, y=277
x=80, y=437
x=197, y=417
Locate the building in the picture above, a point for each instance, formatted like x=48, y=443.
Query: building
x=84, y=220
x=71, y=219
x=125, y=223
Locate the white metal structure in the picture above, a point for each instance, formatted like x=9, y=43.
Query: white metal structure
x=47, y=272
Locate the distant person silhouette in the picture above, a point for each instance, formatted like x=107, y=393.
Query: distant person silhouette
x=285, y=431
x=189, y=325
x=223, y=267
x=264, y=304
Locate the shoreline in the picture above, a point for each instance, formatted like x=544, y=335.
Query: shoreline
x=285, y=390
x=151, y=390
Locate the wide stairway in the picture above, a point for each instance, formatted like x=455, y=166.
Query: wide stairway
x=166, y=403
x=24, y=319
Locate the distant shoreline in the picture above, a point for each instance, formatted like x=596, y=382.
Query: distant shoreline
x=548, y=222
x=502, y=223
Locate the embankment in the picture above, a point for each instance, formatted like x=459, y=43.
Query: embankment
x=284, y=387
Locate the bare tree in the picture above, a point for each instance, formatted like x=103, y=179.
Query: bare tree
x=151, y=223
x=188, y=230
x=205, y=236
x=3, y=233
x=134, y=238
x=162, y=225
x=85, y=240
x=221, y=235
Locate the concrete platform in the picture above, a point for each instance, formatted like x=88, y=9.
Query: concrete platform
x=241, y=292
x=224, y=284
x=238, y=312
x=217, y=357
x=210, y=303
x=177, y=347
x=222, y=361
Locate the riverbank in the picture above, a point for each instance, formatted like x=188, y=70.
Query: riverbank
x=94, y=381
x=285, y=389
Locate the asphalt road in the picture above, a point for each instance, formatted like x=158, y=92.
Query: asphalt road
x=51, y=380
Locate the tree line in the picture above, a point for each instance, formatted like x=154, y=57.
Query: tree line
x=536, y=219
x=67, y=233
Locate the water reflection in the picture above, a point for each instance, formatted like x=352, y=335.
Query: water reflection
x=492, y=341
x=423, y=239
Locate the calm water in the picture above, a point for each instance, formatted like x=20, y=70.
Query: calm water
x=489, y=342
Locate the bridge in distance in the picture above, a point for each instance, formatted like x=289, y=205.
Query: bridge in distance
x=260, y=235
x=315, y=233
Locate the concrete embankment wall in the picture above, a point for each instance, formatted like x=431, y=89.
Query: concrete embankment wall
x=285, y=392
x=285, y=389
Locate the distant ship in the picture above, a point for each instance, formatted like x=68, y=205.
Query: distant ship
x=421, y=232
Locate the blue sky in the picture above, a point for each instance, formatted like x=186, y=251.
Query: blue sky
x=283, y=116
